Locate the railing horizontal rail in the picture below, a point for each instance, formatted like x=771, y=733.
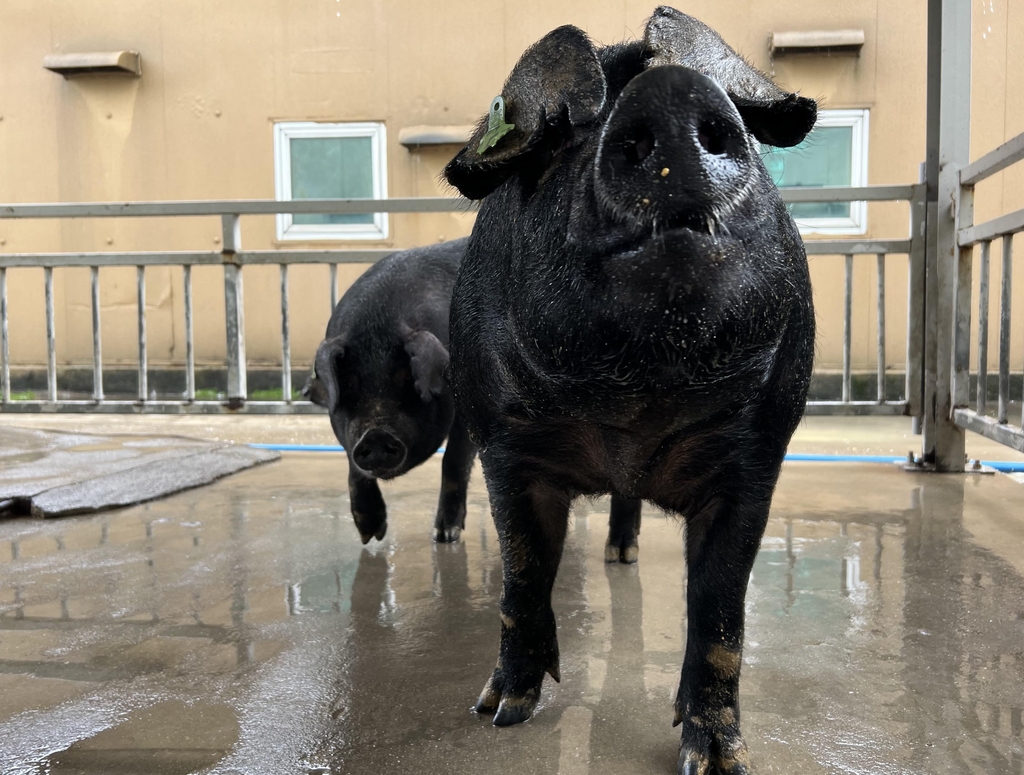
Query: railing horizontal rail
x=990, y=428
x=202, y=258
x=858, y=408
x=1011, y=223
x=1007, y=154
x=791, y=194
x=855, y=247
x=425, y=204
x=160, y=407
x=434, y=204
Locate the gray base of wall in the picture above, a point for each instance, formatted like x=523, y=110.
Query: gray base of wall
x=169, y=383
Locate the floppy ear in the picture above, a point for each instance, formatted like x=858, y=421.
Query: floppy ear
x=559, y=75
x=315, y=391
x=773, y=116
x=325, y=371
x=428, y=360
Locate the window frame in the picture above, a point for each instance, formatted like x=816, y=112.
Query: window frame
x=284, y=133
x=858, y=119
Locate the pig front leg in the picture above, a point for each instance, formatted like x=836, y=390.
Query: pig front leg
x=531, y=518
x=623, y=529
x=722, y=540
x=455, y=470
x=368, y=509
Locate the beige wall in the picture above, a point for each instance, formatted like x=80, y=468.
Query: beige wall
x=218, y=73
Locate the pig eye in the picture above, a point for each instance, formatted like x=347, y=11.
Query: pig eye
x=639, y=146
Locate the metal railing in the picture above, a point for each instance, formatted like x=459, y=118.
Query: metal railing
x=233, y=259
x=969, y=234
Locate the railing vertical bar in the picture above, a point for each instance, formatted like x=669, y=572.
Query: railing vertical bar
x=190, y=354
x=140, y=276
x=286, y=351
x=983, y=296
x=847, y=328
x=234, y=310
x=334, y=287
x=97, y=340
x=1005, y=303
x=51, y=337
x=881, y=326
x=5, y=369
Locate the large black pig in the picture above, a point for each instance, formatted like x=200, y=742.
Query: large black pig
x=633, y=316
x=380, y=372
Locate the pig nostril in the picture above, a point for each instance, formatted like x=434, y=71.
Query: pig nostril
x=639, y=147
x=710, y=139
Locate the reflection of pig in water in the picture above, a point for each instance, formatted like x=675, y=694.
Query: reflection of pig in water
x=380, y=372
x=632, y=316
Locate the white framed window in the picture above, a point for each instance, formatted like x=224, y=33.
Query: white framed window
x=835, y=153
x=330, y=161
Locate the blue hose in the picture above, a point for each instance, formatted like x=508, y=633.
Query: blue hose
x=793, y=457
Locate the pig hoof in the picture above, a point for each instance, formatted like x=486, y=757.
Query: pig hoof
x=378, y=534
x=447, y=535
x=731, y=757
x=627, y=554
x=514, y=710
x=507, y=709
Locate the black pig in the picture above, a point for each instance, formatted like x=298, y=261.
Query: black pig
x=633, y=316
x=380, y=372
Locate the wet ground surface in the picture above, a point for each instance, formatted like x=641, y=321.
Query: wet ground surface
x=243, y=628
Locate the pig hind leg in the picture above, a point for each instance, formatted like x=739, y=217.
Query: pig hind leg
x=456, y=467
x=531, y=518
x=623, y=530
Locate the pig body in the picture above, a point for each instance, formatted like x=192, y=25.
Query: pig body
x=381, y=374
x=633, y=316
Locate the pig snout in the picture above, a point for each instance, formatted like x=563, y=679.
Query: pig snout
x=674, y=151
x=379, y=453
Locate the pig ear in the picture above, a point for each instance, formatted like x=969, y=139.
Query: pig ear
x=325, y=371
x=558, y=79
x=315, y=391
x=773, y=116
x=428, y=360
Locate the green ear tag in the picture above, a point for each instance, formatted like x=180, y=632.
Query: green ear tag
x=496, y=126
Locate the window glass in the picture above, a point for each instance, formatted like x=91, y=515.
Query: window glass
x=824, y=158
x=331, y=168
x=318, y=160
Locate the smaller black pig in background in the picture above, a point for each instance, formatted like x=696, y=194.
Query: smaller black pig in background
x=380, y=373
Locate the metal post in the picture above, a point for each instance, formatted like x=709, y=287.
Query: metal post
x=5, y=369
x=51, y=337
x=190, y=356
x=97, y=342
x=286, y=353
x=1005, y=303
x=143, y=364
x=880, y=271
x=334, y=287
x=847, y=329
x=915, y=308
x=954, y=153
x=983, y=293
x=962, y=305
x=234, y=310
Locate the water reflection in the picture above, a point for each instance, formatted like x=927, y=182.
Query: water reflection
x=885, y=633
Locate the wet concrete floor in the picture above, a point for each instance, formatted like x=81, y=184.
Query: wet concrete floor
x=243, y=628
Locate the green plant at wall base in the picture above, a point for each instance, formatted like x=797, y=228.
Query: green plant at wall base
x=274, y=394
x=23, y=395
